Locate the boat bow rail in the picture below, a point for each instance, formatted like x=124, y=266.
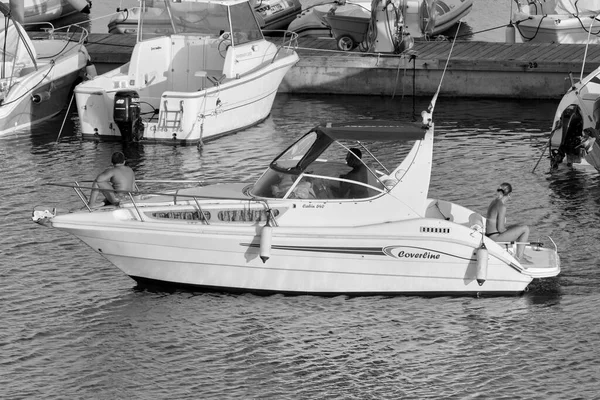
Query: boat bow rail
x=142, y=199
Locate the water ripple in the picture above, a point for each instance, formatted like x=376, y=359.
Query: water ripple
x=76, y=327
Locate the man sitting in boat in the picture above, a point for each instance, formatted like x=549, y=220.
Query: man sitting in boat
x=358, y=173
x=113, y=182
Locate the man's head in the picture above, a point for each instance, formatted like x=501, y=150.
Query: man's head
x=505, y=189
x=118, y=158
x=353, y=157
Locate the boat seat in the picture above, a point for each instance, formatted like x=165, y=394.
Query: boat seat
x=589, y=96
x=215, y=76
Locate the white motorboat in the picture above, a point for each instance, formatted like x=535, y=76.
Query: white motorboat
x=306, y=226
x=212, y=74
x=312, y=21
x=558, y=21
x=271, y=15
x=37, y=76
x=575, y=138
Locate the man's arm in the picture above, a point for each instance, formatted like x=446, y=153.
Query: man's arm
x=102, y=181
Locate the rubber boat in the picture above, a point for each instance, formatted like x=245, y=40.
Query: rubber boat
x=271, y=15
x=312, y=21
x=49, y=10
x=37, y=76
x=558, y=21
x=305, y=227
x=575, y=136
x=192, y=84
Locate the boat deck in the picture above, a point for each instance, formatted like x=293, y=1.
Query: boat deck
x=475, y=69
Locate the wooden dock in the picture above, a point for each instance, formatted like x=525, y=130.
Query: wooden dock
x=475, y=69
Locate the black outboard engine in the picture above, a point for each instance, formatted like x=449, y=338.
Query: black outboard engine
x=126, y=114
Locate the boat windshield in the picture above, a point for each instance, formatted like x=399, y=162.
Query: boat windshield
x=166, y=17
x=313, y=168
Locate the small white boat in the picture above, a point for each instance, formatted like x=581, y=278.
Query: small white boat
x=48, y=10
x=312, y=21
x=194, y=82
x=37, y=76
x=558, y=21
x=271, y=15
x=575, y=137
x=306, y=226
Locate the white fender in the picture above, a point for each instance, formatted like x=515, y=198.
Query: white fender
x=265, y=241
x=482, y=264
x=90, y=71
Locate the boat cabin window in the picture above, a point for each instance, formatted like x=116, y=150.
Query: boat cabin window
x=201, y=18
x=311, y=169
x=244, y=25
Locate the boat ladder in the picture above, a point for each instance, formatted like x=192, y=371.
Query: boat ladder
x=174, y=122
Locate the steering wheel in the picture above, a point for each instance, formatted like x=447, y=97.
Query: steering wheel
x=225, y=42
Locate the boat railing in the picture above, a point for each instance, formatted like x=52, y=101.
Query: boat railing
x=136, y=195
x=283, y=38
x=68, y=32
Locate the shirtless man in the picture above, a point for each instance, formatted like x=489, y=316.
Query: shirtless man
x=496, y=218
x=117, y=177
x=358, y=173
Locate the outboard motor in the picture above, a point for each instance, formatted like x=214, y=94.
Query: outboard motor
x=126, y=114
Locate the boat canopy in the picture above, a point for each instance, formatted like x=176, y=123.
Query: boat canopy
x=314, y=168
x=301, y=154
x=213, y=18
x=374, y=130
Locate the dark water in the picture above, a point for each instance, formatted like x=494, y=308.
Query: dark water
x=74, y=327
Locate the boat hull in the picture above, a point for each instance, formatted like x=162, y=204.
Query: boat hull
x=375, y=259
x=42, y=94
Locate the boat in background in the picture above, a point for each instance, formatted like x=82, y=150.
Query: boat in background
x=194, y=82
x=312, y=224
x=558, y=21
x=312, y=21
x=48, y=10
x=576, y=125
x=37, y=76
x=271, y=15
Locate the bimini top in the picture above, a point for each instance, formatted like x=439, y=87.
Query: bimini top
x=308, y=148
x=375, y=130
